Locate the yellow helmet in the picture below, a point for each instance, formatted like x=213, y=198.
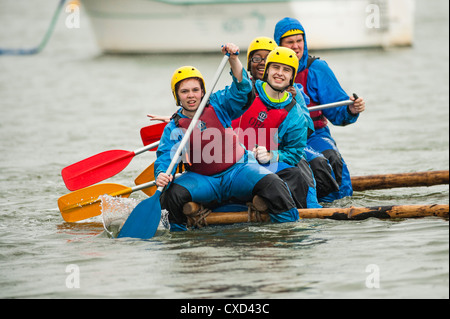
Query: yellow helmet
x=183, y=73
x=284, y=56
x=292, y=32
x=259, y=43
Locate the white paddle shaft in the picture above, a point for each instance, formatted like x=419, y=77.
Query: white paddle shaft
x=330, y=105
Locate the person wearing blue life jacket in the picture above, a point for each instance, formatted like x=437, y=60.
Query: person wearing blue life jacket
x=276, y=122
x=219, y=170
x=322, y=87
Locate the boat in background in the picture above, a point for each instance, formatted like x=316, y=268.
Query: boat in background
x=157, y=26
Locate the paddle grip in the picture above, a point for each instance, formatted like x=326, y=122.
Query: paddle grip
x=228, y=54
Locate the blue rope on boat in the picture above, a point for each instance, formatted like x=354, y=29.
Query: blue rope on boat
x=44, y=40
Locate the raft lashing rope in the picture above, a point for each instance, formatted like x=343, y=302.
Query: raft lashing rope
x=44, y=41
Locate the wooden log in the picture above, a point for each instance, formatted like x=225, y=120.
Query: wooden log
x=350, y=213
x=369, y=182
x=233, y=217
x=381, y=212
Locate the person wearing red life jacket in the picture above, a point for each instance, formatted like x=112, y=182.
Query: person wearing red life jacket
x=219, y=169
x=322, y=87
x=274, y=126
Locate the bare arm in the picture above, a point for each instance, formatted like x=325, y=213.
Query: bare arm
x=161, y=118
x=235, y=63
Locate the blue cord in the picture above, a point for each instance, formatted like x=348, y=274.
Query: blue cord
x=44, y=40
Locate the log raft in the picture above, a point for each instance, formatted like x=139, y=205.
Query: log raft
x=360, y=183
x=349, y=213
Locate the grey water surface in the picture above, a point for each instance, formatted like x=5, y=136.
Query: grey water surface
x=71, y=101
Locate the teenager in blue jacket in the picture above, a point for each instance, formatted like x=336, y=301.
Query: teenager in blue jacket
x=283, y=116
x=322, y=87
x=219, y=168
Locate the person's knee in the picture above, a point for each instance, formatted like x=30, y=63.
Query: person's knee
x=298, y=184
x=275, y=192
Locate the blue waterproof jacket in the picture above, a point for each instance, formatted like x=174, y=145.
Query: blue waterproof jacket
x=303, y=101
x=292, y=132
x=228, y=104
x=322, y=85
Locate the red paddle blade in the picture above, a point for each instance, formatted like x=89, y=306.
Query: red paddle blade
x=152, y=133
x=95, y=168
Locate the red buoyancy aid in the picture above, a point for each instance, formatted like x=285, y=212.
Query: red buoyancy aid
x=320, y=121
x=259, y=124
x=212, y=147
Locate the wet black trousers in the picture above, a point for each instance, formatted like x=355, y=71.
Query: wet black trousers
x=299, y=180
x=271, y=188
x=327, y=177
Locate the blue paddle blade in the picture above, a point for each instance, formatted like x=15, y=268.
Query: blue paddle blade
x=144, y=219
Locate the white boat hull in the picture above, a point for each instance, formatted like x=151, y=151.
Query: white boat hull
x=146, y=26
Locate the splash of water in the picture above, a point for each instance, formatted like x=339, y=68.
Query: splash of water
x=115, y=211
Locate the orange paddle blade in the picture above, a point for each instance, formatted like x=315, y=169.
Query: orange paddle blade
x=85, y=203
x=149, y=175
